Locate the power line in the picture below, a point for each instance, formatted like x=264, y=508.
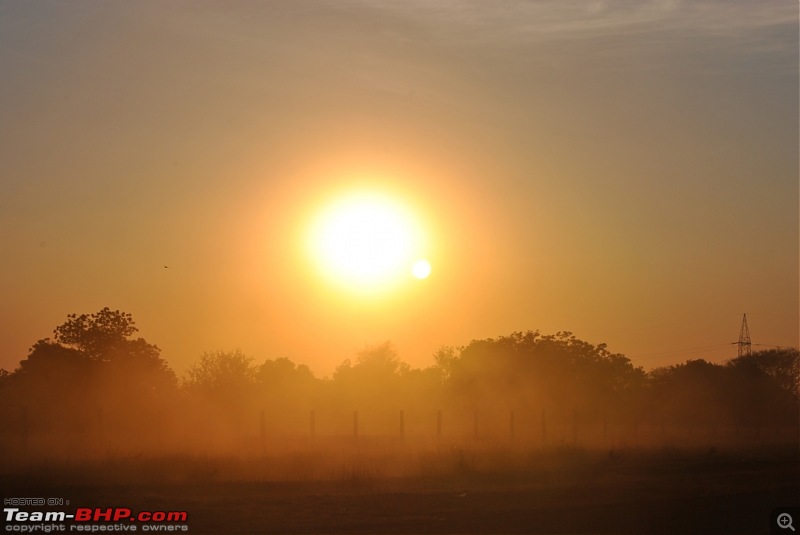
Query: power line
x=744, y=344
x=678, y=351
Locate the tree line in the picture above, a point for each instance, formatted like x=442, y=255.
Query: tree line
x=96, y=380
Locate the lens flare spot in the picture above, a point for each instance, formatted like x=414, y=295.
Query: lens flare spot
x=421, y=269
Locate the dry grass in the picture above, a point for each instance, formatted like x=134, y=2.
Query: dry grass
x=384, y=486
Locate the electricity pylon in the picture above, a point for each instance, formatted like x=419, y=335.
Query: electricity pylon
x=744, y=338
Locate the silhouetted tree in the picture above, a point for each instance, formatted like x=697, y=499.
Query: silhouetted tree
x=752, y=390
x=281, y=371
x=223, y=384
x=286, y=392
x=221, y=393
x=221, y=375
x=58, y=384
x=764, y=387
x=281, y=381
x=693, y=393
x=93, y=376
x=781, y=365
x=99, y=345
x=374, y=379
x=558, y=371
x=96, y=335
x=444, y=358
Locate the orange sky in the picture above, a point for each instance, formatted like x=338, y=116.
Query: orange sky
x=626, y=171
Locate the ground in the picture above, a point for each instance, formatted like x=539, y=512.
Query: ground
x=569, y=491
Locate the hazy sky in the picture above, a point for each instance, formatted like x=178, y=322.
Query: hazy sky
x=625, y=170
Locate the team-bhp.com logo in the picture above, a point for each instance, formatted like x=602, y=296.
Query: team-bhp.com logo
x=93, y=519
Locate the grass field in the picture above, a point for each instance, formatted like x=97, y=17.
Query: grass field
x=392, y=490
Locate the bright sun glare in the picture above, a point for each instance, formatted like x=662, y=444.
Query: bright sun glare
x=368, y=241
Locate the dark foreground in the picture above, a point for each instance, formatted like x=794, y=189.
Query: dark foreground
x=572, y=492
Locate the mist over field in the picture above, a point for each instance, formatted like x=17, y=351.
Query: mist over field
x=501, y=434
x=98, y=391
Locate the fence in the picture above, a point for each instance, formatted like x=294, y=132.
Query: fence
x=93, y=432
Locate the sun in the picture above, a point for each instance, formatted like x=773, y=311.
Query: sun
x=367, y=241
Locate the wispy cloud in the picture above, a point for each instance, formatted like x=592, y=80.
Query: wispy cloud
x=520, y=21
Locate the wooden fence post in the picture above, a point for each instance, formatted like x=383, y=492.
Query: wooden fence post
x=100, y=437
x=544, y=427
x=25, y=442
x=263, y=423
x=574, y=427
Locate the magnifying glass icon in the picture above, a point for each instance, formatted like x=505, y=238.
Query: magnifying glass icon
x=785, y=521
